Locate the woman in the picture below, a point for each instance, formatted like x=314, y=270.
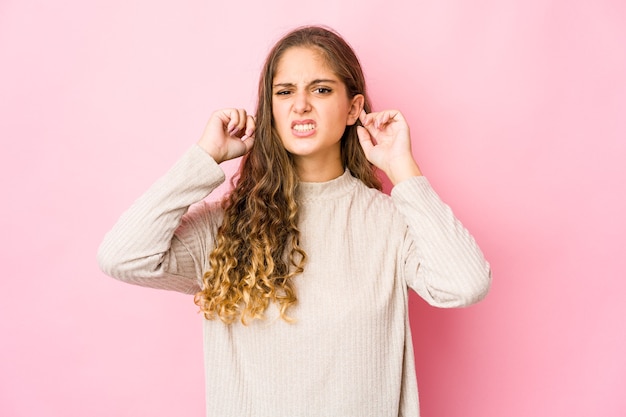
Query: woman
x=302, y=273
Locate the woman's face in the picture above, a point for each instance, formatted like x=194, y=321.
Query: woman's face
x=311, y=107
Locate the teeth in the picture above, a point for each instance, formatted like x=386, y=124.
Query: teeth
x=303, y=128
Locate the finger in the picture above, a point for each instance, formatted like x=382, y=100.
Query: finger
x=383, y=119
x=365, y=139
x=247, y=141
x=233, y=120
x=224, y=117
x=235, y=124
x=241, y=125
x=368, y=120
x=250, y=126
x=365, y=118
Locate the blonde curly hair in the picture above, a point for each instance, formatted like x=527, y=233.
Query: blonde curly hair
x=258, y=252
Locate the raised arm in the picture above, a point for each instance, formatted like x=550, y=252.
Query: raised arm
x=442, y=261
x=152, y=244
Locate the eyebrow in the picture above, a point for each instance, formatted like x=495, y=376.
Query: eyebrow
x=318, y=81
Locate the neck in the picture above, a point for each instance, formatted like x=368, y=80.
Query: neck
x=318, y=170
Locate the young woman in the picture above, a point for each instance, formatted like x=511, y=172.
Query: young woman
x=302, y=272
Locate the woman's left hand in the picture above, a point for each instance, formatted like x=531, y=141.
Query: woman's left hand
x=386, y=142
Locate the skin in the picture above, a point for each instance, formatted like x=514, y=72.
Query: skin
x=308, y=94
x=323, y=110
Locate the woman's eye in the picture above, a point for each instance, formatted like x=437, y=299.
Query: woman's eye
x=283, y=92
x=322, y=90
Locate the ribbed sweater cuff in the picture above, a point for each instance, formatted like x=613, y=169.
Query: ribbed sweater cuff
x=199, y=160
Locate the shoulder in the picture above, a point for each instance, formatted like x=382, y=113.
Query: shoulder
x=374, y=203
x=372, y=195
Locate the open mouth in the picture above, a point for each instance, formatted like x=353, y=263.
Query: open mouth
x=303, y=127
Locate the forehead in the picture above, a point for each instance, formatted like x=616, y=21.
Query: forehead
x=301, y=64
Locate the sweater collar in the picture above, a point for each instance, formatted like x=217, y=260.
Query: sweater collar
x=328, y=190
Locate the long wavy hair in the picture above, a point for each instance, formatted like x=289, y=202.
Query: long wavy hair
x=258, y=252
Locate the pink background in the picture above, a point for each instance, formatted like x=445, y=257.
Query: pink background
x=518, y=116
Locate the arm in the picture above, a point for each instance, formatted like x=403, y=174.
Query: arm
x=442, y=262
x=141, y=248
x=152, y=244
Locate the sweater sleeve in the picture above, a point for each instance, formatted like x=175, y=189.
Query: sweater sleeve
x=152, y=245
x=442, y=262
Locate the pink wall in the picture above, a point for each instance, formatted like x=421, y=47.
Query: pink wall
x=518, y=115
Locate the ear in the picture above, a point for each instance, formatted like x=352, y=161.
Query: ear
x=356, y=105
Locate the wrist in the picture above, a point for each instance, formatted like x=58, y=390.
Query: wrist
x=401, y=170
x=213, y=153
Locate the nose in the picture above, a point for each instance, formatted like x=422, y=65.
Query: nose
x=301, y=102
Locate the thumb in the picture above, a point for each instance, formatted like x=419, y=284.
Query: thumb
x=365, y=139
x=248, y=141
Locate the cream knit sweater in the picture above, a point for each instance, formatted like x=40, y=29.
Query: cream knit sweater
x=349, y=353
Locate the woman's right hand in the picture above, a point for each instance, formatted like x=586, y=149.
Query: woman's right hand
x=228, y=134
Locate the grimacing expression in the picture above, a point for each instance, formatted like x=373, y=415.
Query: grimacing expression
x=310, y=105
